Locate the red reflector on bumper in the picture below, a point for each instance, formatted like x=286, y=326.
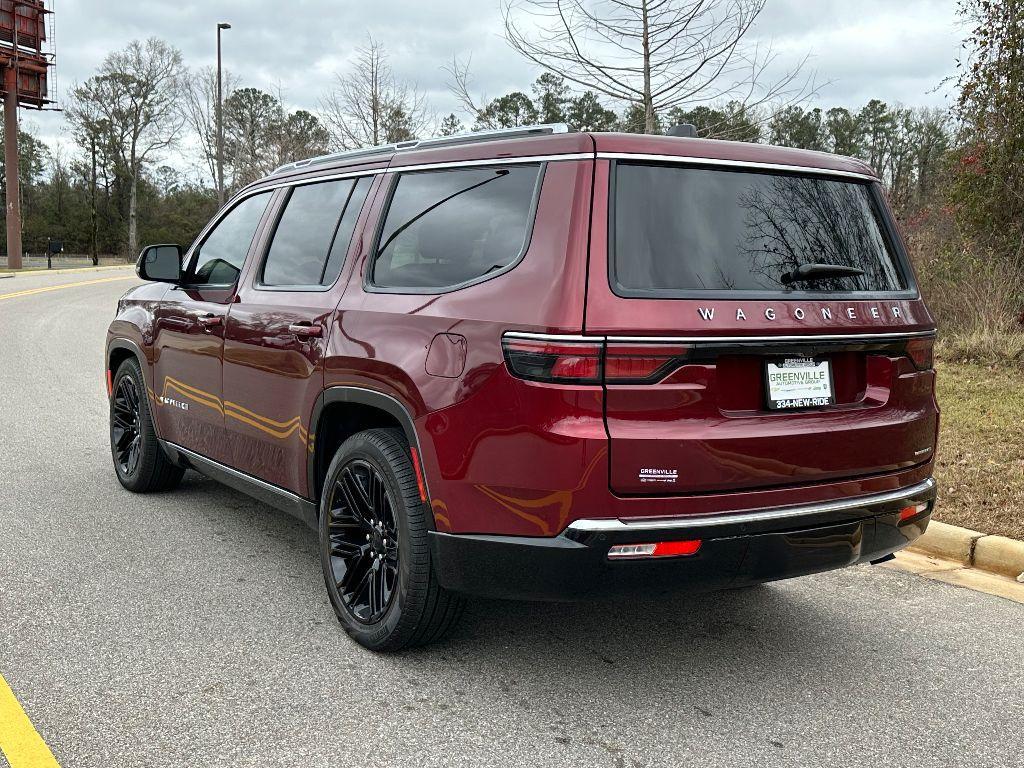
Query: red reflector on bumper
x=909, y=512
x=659, y=549
x=676, y=548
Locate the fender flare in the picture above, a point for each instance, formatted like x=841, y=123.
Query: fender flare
x=374, y=399
x=119, y=342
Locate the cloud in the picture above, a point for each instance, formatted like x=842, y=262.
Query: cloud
x=868, y=49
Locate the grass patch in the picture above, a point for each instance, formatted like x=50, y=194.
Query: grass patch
x=980, y=465
x=983, y=347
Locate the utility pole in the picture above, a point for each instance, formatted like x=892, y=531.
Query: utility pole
x=220, y=117
x=12, y=168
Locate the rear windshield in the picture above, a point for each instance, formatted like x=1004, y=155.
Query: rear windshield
x=684, y=230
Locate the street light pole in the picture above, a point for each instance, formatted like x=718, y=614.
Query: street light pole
x=220, y=117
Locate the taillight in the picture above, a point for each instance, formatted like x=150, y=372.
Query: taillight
x=626, y=363
x=558, y=362
x=920, y=352
x=591, y=362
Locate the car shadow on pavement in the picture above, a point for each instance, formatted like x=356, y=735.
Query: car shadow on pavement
x=767, y=630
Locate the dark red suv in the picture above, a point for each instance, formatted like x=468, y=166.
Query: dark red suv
x=542, y=364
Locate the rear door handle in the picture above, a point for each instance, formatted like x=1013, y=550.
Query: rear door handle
x=210, y=321
x=306, y=331
x=175, y=323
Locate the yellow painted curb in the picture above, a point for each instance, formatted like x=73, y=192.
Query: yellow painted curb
x=19, y=740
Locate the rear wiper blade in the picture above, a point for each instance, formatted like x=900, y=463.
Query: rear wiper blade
x=812, y=272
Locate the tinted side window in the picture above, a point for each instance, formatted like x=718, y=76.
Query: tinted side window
x=343, y=237
x=445, y=228
x=299, y=250
x=219, y=260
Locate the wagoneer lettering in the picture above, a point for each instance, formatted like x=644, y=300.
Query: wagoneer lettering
x=542, y=364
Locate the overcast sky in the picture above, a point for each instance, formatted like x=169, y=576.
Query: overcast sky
x=895, y=50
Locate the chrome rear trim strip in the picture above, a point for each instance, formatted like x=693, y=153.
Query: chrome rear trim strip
x=809, y=337
x=785, y=513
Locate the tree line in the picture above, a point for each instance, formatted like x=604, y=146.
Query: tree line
x=142, y=162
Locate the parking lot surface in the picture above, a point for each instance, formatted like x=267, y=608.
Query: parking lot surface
x=192, y=628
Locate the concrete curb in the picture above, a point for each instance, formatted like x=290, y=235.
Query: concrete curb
x=6, y=274
x=972, y=549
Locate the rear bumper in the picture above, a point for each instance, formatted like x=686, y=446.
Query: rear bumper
x=737, y=549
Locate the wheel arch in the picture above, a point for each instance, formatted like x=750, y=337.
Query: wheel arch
x=120, y=349
x=343, y=411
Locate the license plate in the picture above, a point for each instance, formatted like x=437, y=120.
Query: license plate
x=799, y=382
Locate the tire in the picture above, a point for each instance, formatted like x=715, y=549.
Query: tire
x=374, y=547
x=139, y=461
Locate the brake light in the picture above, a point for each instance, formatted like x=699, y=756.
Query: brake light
x=642, y=363
x=591, y=362
x=920, y=352
x=559, y=362
x=657, y=549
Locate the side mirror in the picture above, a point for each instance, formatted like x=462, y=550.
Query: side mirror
x=160, y=263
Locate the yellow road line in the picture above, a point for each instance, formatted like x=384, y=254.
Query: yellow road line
x=19, y=740
x=34, y=291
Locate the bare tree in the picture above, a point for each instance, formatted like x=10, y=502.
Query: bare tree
x=199, y=105
x=369, y=105
x=655, y=54
x=508, y=111
x=136, y=97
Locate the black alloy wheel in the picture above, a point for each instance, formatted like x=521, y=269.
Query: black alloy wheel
x=139, y=460
x=375, y=549
x=364, y=541
x=125, y=426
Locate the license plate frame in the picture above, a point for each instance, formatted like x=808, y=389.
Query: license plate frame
x=818, y=390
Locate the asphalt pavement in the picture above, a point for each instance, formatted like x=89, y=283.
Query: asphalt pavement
x=192, y=629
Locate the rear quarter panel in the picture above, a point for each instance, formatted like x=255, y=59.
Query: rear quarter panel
x=478, y=445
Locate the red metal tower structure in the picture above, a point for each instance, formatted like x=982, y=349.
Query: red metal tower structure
x=25, y=68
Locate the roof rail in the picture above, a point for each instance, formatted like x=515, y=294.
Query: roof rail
x=470, y=137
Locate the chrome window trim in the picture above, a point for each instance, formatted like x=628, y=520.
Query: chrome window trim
x=251, y=190
x=808, y=337
x=751, y=165
x=734, y=518
x=525, y=160
x=739, y=164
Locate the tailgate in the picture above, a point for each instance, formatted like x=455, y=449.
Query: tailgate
x=763, y=328
x=706, y=425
